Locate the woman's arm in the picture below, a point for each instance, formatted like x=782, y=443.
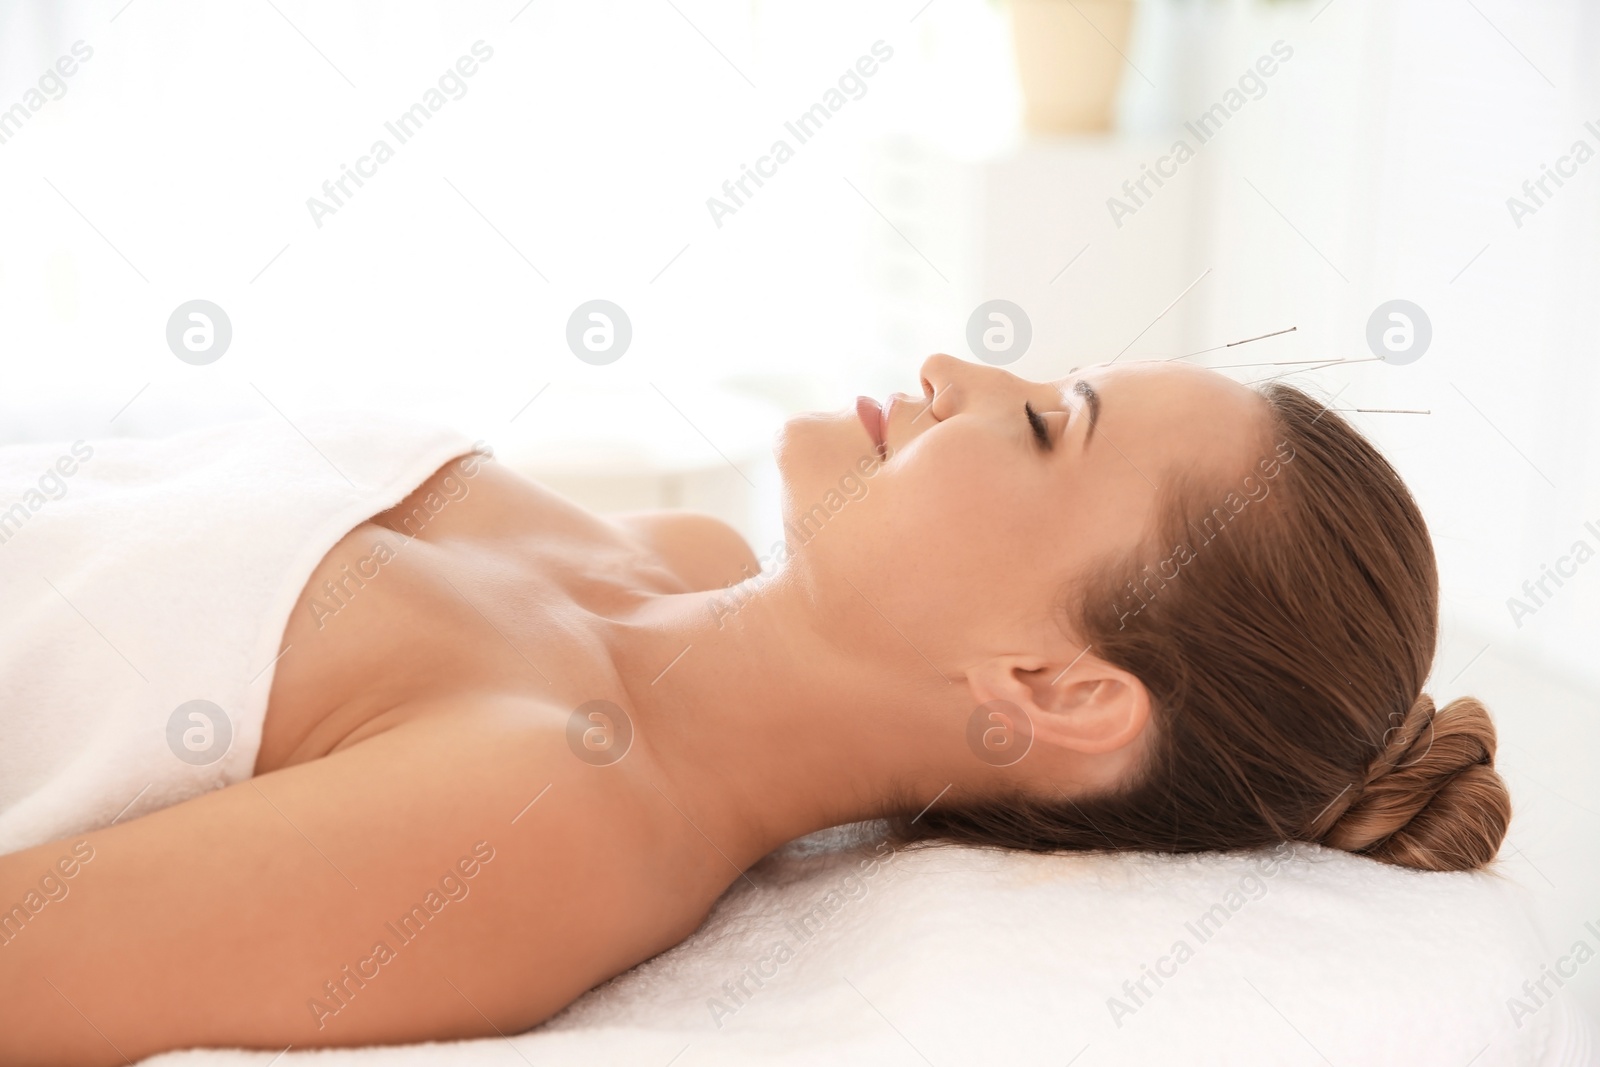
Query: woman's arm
x=399, y=890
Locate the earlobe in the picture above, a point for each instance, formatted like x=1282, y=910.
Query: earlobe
x=1090, y=706
x=1097, y=715
x=1006, y=678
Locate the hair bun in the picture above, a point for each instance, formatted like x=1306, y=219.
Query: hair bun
x=1432, y=798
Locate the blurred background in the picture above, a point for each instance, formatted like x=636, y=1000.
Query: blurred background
x=938, y=155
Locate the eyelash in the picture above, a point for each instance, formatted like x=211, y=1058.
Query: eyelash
x=1040, y=430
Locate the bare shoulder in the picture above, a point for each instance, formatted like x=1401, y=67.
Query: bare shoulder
x=704, y=551
x=464, y=866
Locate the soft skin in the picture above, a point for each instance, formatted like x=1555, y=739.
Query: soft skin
x=426, y=722
x=971, y=534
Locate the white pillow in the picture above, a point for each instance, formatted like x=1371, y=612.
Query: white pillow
x=833, y=953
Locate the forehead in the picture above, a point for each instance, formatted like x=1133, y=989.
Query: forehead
x=1173, y=414
x=1169, y=388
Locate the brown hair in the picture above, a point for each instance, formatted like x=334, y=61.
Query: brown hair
x=1284, y=642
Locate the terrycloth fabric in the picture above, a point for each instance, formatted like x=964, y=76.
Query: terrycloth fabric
x=138, y=576
x=956, y=956
x=160, y=572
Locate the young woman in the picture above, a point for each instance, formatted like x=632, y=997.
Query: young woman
x=1142, y=608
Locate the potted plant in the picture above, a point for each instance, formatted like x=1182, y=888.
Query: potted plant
x=1070, y=58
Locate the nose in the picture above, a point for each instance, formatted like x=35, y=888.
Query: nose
x=940, y=374
x=954, y=383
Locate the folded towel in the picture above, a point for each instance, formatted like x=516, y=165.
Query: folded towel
x=139, y=576
x=953, y=956
x=144, y=590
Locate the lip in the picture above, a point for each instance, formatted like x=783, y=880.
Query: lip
x=876, y=420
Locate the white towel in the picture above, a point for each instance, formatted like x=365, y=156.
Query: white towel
x=160, y=572
x=137, y=576
x=958, y=956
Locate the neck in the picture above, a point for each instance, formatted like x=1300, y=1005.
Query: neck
x=767, y=729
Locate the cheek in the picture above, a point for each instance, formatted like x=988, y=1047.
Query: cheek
x=952, y=521
x=964, y=516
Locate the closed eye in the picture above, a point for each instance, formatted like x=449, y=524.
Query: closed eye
x=1040, y=430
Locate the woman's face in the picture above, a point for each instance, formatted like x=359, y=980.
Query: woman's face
x=964, y=532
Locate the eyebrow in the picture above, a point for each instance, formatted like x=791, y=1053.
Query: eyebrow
x=1084, y=389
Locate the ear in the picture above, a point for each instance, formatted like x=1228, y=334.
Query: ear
x=1087, y=706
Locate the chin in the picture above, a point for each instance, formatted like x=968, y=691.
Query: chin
x=811, y=445
x=826, y=463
